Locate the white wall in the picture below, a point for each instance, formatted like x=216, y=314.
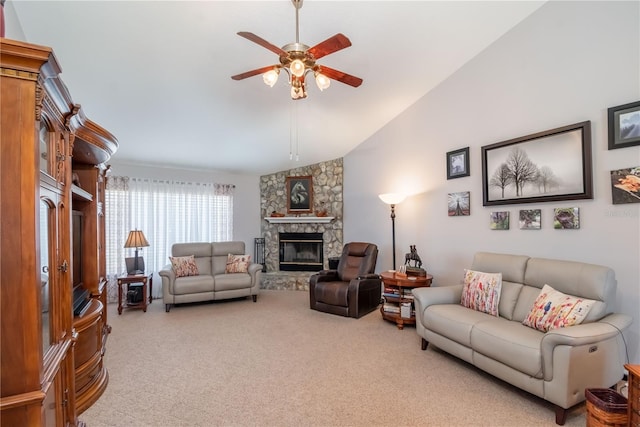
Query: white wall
x=246, y=200
x=568, y=62
x=13, y=29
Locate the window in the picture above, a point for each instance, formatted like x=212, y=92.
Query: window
x=167, y=212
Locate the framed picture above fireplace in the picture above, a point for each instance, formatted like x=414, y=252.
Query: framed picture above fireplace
x=299, y=194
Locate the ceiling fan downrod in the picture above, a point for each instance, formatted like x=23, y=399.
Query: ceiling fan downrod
x=297, y=4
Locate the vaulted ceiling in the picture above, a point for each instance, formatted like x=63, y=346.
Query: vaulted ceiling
x=157, y=74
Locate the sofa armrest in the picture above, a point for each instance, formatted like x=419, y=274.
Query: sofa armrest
x=255, y=270
x=325, y=276
x=580, y=335
x=369, y=276
x=424, y=297
x=168, y=277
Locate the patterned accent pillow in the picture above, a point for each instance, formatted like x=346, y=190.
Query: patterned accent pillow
x=184, y=265
x=238, y=263
x=481, y=291
x=552, y=309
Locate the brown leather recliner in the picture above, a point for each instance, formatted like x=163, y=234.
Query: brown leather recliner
x=352, y=290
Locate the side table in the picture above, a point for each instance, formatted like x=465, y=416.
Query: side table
x=398, y=292
x=128, y=279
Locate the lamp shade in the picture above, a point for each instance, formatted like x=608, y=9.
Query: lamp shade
x=392, y=198
x=136, y=239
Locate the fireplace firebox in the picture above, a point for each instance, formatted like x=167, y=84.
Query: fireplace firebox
x=301, y=251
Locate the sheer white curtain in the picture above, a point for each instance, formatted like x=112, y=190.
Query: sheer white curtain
x=167, y=212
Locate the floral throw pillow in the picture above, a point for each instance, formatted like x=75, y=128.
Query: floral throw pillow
x=552, y=309
x=184, y=266
x=481, y=291
x=238, y=263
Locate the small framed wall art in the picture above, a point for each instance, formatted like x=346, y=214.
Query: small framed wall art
x=566, y=218
x=458, y=163
x=299, y=194
x=624, y=125
x=625, y=186
x=530, y=219
x=458, y=204
x=499, y=220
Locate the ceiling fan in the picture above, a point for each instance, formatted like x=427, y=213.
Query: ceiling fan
x=298, y=59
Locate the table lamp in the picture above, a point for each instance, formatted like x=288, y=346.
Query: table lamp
x=136, y=240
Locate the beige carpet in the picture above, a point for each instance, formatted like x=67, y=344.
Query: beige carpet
x=278, y=363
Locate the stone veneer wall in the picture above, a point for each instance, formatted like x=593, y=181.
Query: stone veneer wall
x=327, y=180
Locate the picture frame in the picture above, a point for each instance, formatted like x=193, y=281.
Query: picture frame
x=299, y=194
x=625, y=186
x=566, y=218
x=499, y=220
x=458, y=204
x=458, y=163
x=530, y=219
x=624, y=125
x=547, y=166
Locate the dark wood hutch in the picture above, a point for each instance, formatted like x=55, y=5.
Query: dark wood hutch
x=52, y=171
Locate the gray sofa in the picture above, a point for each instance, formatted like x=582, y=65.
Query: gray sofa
x=557, y=365
x=212, y=283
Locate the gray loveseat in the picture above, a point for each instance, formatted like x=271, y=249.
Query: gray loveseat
x=211, y=283
x=557, y=365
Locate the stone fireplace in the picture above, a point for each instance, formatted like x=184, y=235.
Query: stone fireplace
x=327, y=195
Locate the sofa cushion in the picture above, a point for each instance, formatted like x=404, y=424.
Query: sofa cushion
x=193, y=285
x=595, y=282
x=509, y=295
x=509, y=343
x=226, y=282
x=237, y=263
x=481, y=291
x=221, y=251
x=512, y=268
x=201, y=252
x=554, y=309
x=184, y=266
x=452, y=321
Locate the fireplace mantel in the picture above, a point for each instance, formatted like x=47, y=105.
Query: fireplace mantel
x=299, y=219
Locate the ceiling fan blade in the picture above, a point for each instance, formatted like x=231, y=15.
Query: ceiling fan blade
x=330, y=45
x=262, y=42
x=253, y=72
x=340, y=76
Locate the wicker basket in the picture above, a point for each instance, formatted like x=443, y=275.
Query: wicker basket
x=606, y=408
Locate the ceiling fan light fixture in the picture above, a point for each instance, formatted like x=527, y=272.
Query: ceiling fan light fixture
x=298, y=59
x=323, y=82
x=271, y=77
x=297, y=68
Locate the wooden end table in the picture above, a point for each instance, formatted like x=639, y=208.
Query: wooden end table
x=401, y=287
x=128, y=279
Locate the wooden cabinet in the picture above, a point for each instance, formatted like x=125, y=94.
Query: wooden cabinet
x=51, y=364
x=634, y=395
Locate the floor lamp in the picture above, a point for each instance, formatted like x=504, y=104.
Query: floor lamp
x=136, y=240
x=392, y=199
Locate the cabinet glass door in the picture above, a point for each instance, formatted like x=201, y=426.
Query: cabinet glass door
x=47, y=269
x=44, y=137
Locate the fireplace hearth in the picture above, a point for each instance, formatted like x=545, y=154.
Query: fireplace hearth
x=301, y=251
